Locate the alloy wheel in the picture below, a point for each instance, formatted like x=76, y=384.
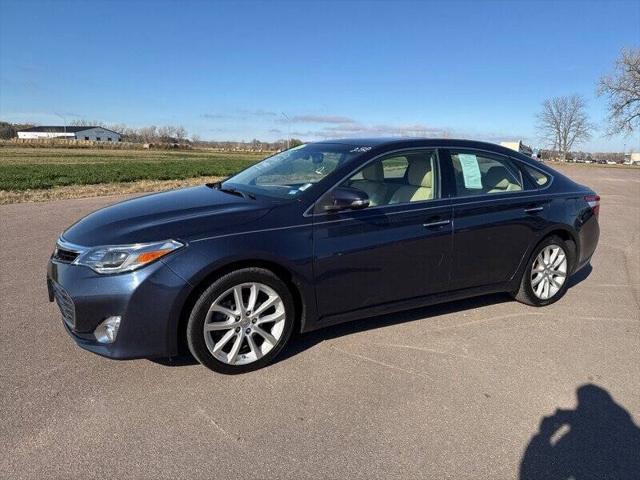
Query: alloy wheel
x=244, y=323
x=549, y=272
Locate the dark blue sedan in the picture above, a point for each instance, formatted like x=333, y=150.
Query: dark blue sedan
x=317, y=235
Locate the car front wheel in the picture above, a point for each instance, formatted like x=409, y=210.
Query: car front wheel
x=241, y=322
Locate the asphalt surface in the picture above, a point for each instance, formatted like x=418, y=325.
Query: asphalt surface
x=454, y=391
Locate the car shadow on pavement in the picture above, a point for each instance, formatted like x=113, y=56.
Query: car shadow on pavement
x=597, y=440
x=303, y=342
x=308, y=340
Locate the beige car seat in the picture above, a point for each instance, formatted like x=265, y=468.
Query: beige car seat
x=372, y=183
x=497, y=181
x=420, y=179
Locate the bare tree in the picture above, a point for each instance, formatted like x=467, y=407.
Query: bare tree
x=166, y=133
x=180, y=133
x=148, y=134
x=622, y=90
x=563, y=122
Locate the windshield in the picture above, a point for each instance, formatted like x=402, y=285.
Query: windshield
x=287, y=174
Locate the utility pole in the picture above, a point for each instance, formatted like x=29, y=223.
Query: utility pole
x=64, y=123
x=288, y=128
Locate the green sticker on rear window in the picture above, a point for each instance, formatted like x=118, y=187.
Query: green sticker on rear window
x=470, y=170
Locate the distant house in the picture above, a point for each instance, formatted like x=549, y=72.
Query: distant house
x=518, y=147
x=96, y=134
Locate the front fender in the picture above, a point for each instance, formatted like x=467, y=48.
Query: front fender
x=291, y=252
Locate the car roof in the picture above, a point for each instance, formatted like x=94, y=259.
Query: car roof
x=409, y=141
x=388, y=143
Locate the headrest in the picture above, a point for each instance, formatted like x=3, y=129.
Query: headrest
x=373, y=172
x=419, y=174
x=497, y=177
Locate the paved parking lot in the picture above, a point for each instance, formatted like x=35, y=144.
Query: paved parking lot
x=454, y=391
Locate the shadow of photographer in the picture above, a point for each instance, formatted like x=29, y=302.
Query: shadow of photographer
x=597, y=440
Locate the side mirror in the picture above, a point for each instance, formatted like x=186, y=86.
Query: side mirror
x=346, y=198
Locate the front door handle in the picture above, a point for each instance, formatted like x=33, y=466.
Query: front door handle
x=439, y=223
x=533, y=209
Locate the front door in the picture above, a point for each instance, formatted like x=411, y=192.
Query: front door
x=398, y=248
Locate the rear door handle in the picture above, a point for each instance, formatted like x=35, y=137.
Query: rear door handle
x=439, y=223
x=533, y=209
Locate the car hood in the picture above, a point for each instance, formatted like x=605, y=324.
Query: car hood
x=176, y=214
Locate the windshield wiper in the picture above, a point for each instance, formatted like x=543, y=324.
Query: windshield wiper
x=231, y=191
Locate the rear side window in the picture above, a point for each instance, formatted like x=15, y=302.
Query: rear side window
x=481, y=173
x=539, y=177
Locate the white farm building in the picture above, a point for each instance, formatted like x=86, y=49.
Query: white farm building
x=96, y=134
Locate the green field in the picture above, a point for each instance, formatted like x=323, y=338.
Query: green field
x=43, y=168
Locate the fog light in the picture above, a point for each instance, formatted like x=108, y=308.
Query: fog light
x=106, y=332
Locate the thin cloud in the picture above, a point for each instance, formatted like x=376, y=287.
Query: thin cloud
x=359, y=130
x=258, y=113
x=337, y=119
x=215, y=116
x=239, y=114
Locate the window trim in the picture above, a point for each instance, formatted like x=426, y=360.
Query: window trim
x=309, y=212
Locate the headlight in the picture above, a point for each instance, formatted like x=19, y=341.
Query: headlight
x=124, y=258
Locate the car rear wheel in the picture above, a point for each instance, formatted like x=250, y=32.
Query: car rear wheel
x=545, y=280
x=241, y=322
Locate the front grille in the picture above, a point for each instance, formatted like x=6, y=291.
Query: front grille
x=65, y=303
x=64, y=255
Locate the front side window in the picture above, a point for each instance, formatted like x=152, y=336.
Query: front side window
x=289, y=173
x=396, y=179
x=481, y=173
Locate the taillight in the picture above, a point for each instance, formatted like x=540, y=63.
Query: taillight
x=594, y=203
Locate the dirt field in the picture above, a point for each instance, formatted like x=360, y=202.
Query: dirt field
x=457, y=391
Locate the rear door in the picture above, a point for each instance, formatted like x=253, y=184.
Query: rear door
x=399, y=249
x=495, y=217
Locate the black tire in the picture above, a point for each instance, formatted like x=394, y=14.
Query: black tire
x=195, y=326
x=525, y=293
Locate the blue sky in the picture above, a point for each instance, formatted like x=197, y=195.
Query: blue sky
x=227, y=70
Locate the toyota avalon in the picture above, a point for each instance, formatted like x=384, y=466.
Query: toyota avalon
x=313, y=236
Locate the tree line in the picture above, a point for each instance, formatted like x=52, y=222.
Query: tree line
x=150, y=134
x=162, y=135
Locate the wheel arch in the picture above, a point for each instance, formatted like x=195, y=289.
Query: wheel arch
x=283, y=273
x=564, y=232
x=569, y=237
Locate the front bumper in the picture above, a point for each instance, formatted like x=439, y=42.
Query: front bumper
x=149, y=300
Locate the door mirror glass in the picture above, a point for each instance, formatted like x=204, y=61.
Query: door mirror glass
x=346, y=198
